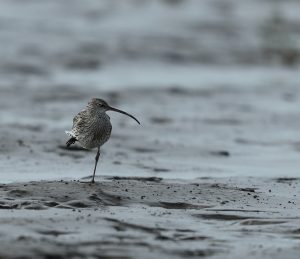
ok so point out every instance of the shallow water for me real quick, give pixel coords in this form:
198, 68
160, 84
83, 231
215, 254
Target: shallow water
213, 169
210, 102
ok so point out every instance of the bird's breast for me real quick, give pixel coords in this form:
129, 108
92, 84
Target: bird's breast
96, 131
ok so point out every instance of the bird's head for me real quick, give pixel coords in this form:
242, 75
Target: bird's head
102, 106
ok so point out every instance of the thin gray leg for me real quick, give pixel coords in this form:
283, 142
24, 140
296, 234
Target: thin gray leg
96, 162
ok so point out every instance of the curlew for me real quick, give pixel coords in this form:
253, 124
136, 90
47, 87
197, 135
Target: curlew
92, 127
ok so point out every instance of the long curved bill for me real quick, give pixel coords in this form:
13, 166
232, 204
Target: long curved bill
120, 111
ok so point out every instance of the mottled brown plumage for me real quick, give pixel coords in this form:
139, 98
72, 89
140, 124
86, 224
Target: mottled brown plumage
92, 127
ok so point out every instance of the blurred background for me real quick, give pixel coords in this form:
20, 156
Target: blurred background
214, 83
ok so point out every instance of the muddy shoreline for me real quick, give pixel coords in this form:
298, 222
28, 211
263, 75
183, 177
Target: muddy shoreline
150, 217
213, 169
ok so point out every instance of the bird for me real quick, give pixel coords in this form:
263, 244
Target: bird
92, 127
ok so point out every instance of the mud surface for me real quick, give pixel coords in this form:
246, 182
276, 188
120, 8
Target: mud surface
213, 169
145, 218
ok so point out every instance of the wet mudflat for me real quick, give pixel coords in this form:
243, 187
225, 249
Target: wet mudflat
213, 170
150, 217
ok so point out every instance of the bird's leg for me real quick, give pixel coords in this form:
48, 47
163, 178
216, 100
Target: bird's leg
96, 162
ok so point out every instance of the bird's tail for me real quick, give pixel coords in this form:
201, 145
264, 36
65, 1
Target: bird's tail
69, 133
72, 140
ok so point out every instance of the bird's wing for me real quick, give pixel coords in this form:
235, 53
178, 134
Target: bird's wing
79, 117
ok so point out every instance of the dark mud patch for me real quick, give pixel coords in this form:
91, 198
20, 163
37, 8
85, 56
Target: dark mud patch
55, 233
247, 189
183, 91
239, 210
79, 204
181, 205
224, 217
184, 230
161, 170
179, 237
254, 142
193, 238
161, 120
142, 179
82, 63
35, 206
255, 222
51, 204
197, 253
75, 156
295, 231
124, 225
220, 153
145, 150
286, 179
25, 69
6, 206
178, 90
73, 148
